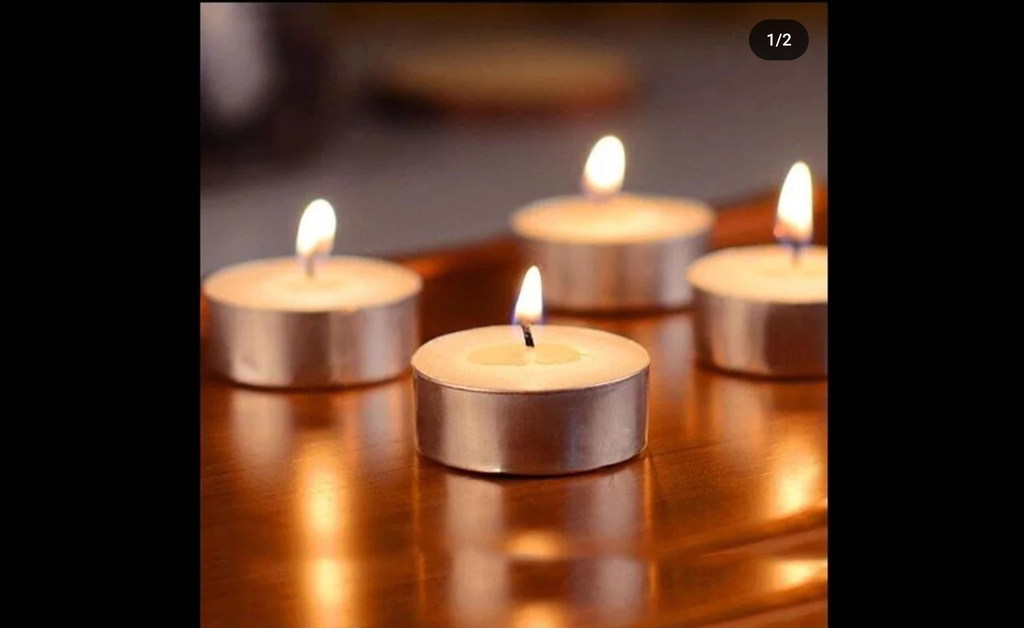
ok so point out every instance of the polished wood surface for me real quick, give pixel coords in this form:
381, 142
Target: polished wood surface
317, 511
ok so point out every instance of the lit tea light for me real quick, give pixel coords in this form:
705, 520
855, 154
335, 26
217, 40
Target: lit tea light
313, 320
763, 310
530, 399
607, 251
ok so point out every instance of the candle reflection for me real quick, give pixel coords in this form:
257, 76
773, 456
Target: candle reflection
342, 439
319, 480
536, 544
479, 586
508, 555
327, 587
330, 590
544, 614
797, 475
600, 510
474, 511
374, 424
261, 426
492, 589
786, 573
619, 583
770, 425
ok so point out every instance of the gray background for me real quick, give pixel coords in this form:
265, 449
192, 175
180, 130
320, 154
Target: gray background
711, 121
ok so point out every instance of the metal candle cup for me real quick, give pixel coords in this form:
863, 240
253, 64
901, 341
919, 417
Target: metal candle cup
757, 337
611, 273
488, 402
607, 252
531, 429
286, 345
313, 322
763, 310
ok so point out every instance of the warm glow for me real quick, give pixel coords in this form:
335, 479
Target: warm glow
540, 614
794, 217
793, 572
536, 544
796, 476
602, 176
261, 432
323, 494
329, 584
530, 305
316, 230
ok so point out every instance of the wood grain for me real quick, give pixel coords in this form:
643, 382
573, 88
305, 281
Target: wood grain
316, 510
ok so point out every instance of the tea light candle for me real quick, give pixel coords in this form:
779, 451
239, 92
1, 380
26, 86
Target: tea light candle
606, 251
317, 322
530, 399
763, 310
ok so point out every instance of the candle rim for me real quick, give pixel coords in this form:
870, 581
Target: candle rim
752, 296
529, 393
674, 204
557, 390
411, 274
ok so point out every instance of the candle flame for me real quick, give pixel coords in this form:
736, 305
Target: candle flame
606, 165
316, 231
530, 304
794, 216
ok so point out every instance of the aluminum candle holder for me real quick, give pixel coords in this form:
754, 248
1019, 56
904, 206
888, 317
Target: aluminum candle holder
518, 433
530, 399
606, 251
313, 321
769, 339
284, 349
610, 277
763, 310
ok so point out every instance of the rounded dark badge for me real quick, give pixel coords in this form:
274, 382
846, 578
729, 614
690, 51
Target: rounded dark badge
779, 40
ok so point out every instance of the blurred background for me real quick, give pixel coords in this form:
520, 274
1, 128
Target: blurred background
425, 125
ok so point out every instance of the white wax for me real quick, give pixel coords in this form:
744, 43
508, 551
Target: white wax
621, 218
764, 273
496, 359
340, 283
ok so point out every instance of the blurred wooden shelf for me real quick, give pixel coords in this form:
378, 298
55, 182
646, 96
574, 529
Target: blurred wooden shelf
316, 510
505, 75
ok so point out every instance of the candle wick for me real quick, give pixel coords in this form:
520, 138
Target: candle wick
527, 334
595, 196
308, 265
797, 249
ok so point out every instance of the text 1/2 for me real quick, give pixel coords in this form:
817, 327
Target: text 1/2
786, 40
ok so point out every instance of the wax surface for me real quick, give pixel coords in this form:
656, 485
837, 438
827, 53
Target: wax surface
621, 218
340, 283
489, 358
764, 273
516, 353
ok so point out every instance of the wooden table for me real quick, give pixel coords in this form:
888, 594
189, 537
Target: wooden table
317, 511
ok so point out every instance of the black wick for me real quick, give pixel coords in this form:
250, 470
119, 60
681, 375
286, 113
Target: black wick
527, 334
797, 249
